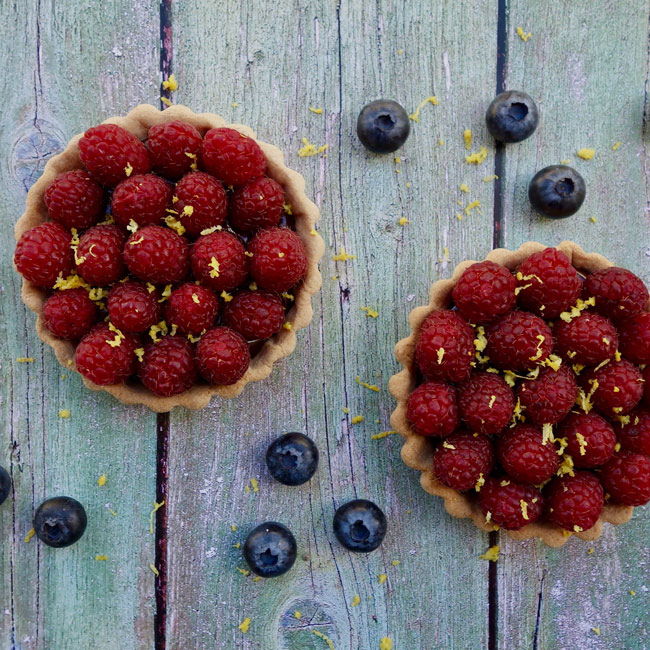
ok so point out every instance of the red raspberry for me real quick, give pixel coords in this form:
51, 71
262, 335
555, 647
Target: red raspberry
173, 148
219, 261
201, 202
168, 367
484, 292
445, 348
627, 478
462, 460
43, 253
142, 198
222, 356
74, 200
254, 314
509, 504
646, 385
549, 283
619, 387
279, 259
111, 153
431, 409
69, 314
590, 439
518, 341
485, 403
258, 204
550, 397
133, 308
99, 255
156, 254
634, 336
574, 502
588, 339
103, 363
232, 157
635, 436
619, 293
192, 308
525, 456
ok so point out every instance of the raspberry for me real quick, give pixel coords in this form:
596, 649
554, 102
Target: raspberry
588, 339
485, 403
231, 156
484, 292
168, 366
635, 435
616, 387
222, 356
142, 198
548, 283
646, 385
219, 261
74, 200
156, 254
462, 460
627, 478
133, 308
509, 504
69, 314
445, 348
619, 293
574, 502
590, 439
258, 204
173, 148
110, 153
431, 409
526, 456
254, 314
518, 341
43, 253
634, 336
192, 308
105, 356
201, 202
549, 398
99, 255
279, 259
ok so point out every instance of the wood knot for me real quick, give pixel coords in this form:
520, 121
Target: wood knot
35, 144
305, 624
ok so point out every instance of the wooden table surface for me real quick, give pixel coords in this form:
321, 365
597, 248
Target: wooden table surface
69, 65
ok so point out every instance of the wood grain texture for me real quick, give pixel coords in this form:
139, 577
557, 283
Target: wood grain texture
71, 67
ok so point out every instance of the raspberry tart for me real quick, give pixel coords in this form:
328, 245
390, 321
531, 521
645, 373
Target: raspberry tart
523, 395
138, 236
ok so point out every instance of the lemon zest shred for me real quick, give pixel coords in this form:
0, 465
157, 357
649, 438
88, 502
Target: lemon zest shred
209, 231
170, 83
464, 188
64, 414
355, 601
357, 419
474, 204
616, 146
214, 267
366, 385
101, 481
523, 35
128, 170
308, 149
477, 157
24, 359
226, 296
381, 578
101, 558
489, 179
343, 256
156, 507
415, 116
480, 482
174, 224
586, 154
467, 138
30, 533
325, 638
403, 221
318, 111
492, 554
385, 643
287, 326
382, 434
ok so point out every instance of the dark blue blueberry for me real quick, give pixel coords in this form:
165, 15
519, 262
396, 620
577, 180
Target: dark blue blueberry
383, 126
512, 116
60, 521
292, 458
5, 485
360, 525
270, 550
557, 191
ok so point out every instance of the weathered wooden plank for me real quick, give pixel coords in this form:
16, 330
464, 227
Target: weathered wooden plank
588, 72
315, 54
71, 66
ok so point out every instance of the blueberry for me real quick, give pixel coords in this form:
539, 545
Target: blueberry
360, 525
60, 521
557, 191
512, 116
270, 549
383, 126
292, 458
5, 485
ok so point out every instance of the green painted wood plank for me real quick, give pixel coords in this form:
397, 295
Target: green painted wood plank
587, 70
70, 66
312, 54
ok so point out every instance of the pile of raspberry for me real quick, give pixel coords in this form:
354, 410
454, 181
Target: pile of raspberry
535, 389
165, 259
